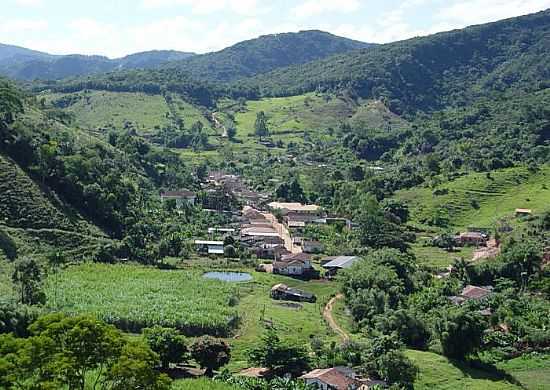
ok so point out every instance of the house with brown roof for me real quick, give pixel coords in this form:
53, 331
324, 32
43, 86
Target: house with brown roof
471, 238
470, 292
335, 378
181, 197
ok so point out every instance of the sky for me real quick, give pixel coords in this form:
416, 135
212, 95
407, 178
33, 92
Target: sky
115, 28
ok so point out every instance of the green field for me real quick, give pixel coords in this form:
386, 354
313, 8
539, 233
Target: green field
94, 110
439, 258
135, 297
291, 116
478, 199
532, 371
201, 384
438, 372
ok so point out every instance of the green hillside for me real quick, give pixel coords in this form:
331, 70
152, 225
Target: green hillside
266, 53
438, 372
481, 199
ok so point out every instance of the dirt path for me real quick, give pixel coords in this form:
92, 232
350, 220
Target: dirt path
219, 125
327, 315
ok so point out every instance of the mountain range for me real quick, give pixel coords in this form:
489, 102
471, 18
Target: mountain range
25, 64
244, 59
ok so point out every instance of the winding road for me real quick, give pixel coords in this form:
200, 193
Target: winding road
327, 315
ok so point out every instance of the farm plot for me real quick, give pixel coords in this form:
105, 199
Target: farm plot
135, 297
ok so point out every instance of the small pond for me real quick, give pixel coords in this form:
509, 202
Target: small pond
229, 276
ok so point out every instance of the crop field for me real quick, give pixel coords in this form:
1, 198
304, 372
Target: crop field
479, 199
135, 297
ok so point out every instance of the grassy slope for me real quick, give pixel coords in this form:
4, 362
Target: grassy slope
297, 324
437, 372
294, 114
497, 196
37, 220
201, 384
101, 109
533, 372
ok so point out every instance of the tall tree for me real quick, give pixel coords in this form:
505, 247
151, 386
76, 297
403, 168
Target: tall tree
260, 126
167, 343
282, 357
28, 276
210, 353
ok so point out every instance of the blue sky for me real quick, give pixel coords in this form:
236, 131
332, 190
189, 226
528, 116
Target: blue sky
118, 27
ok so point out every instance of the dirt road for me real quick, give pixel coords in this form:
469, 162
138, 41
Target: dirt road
327, 315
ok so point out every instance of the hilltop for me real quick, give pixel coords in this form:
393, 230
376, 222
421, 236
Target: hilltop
25, 64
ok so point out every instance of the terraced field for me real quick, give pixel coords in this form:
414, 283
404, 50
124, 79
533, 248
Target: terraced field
481, 199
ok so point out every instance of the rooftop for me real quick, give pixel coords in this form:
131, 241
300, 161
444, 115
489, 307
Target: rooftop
340, 261
475, 292
333, 377
177, 194
208, 242
298, 207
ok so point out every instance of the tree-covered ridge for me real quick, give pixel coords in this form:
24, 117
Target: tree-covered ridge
24, 64
451, 68
266, 53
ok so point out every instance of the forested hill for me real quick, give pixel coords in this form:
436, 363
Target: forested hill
25, 64
266, 53
451, 68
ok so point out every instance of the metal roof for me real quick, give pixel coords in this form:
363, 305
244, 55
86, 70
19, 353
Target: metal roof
207, 242
341, 262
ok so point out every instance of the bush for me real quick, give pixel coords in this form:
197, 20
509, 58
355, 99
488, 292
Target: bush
7, 245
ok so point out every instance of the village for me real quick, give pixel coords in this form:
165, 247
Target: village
273, 233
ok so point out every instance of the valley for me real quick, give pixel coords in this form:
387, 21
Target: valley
388, 207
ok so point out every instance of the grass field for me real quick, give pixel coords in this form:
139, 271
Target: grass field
293, 115
480, 200
257, 309
438, 372
201, 384
439, 258
102, 109
532, 371
134, 297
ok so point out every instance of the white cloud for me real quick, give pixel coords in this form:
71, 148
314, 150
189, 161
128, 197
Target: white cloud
23, 26
470, 12
204, 7
316, 7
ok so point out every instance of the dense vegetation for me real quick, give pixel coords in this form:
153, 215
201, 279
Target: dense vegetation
266, 53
